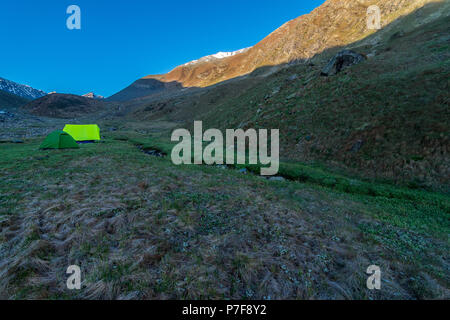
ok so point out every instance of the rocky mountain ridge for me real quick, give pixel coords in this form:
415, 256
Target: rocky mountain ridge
20, 90
337, 23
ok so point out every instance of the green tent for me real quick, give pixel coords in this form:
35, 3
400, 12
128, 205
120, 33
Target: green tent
59, 140
85, 132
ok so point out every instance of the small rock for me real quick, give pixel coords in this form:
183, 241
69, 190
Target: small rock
397, 35
343, 59
277, 179
291, 96
41, 157
357, 146
155, 153
275, 90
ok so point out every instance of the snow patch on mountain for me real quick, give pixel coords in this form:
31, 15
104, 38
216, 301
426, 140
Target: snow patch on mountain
92, 95
219, 55
20, 90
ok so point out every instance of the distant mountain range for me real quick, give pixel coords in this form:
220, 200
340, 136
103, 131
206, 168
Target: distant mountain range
20, 90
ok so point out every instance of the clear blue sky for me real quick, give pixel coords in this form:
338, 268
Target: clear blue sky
121, 41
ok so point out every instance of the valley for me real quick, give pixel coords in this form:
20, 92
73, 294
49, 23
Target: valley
363, 177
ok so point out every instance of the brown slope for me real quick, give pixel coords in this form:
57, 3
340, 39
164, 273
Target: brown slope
63, 106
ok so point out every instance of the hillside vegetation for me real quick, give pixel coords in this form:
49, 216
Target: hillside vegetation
8, 100
385, 118
59, 105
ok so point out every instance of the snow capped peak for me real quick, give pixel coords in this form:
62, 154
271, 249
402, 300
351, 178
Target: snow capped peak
219, 55
92, 95
20, 90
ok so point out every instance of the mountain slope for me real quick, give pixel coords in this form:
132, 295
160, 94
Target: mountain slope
335, 23
144, 87
20, 90
384, 118
9, 100
63, 106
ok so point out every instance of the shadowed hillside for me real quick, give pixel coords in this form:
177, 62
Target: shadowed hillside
9, 100
385, 117
145, 87
63, 106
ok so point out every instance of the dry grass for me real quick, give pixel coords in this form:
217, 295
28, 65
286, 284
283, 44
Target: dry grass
141, 228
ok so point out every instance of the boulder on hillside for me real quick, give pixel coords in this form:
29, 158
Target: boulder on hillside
343, 59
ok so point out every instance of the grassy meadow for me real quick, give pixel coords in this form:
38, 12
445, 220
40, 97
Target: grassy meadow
141, 227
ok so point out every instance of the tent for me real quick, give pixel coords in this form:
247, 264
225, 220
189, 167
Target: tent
59, 140
85, 132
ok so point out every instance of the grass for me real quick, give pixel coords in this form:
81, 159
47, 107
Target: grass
141, 227
420, 204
